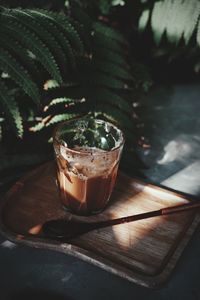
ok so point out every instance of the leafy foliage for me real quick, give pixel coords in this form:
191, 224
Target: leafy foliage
31, 39
9, 106
62, 66
103, 84
177, 19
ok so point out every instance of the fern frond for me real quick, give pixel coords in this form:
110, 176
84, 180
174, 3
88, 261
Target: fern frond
50, 84
101, 40
64, 24
18, 74
70, 54
78, 14
73, 92
28, 20
177, 18
38, 127
109, 32
16, 50
52, 120
113, 70
98, 78
60, 37
62, 100
10, 107
85, 34
114, 115
30, 41
61, 118
73, 35
103, 95
108, 55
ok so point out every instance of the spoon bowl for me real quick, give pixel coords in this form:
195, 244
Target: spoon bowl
62, 229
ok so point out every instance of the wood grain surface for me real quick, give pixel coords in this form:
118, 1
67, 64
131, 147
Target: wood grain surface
144, 252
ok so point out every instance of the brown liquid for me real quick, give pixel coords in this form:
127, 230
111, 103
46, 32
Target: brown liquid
85, 187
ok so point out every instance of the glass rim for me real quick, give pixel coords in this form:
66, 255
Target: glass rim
60, 125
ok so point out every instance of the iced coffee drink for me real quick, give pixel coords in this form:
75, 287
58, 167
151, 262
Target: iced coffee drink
87, 158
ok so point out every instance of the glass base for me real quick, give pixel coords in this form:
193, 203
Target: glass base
91, 213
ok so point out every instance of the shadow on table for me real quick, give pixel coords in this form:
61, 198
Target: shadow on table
32, 294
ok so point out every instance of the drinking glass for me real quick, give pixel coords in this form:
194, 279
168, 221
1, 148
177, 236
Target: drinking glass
87, 153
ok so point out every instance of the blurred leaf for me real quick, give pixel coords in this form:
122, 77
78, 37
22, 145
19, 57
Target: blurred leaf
144, 18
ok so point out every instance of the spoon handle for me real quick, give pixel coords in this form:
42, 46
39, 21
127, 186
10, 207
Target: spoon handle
161, 212
63, 230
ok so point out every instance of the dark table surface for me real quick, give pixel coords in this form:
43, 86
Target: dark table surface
172, 123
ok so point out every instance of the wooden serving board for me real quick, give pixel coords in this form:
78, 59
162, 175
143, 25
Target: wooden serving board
144, 252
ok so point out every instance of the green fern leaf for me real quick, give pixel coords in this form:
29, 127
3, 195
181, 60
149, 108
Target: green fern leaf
85, 35
73, 35
28, 20
62, 100
70, 54
39, 126
64, 24
109, 32
108, 55
79, 14
19, 75
114, 115
103, 95
16, 50
101, 40
59, 36
113, 70
30, 41
11, 109
52, 120
98, 78
61, 118
73, 91
50, 84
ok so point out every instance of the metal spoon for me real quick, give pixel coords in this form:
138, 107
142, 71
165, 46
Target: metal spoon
63, 230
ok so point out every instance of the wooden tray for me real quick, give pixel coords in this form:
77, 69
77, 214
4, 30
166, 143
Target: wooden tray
144, 252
